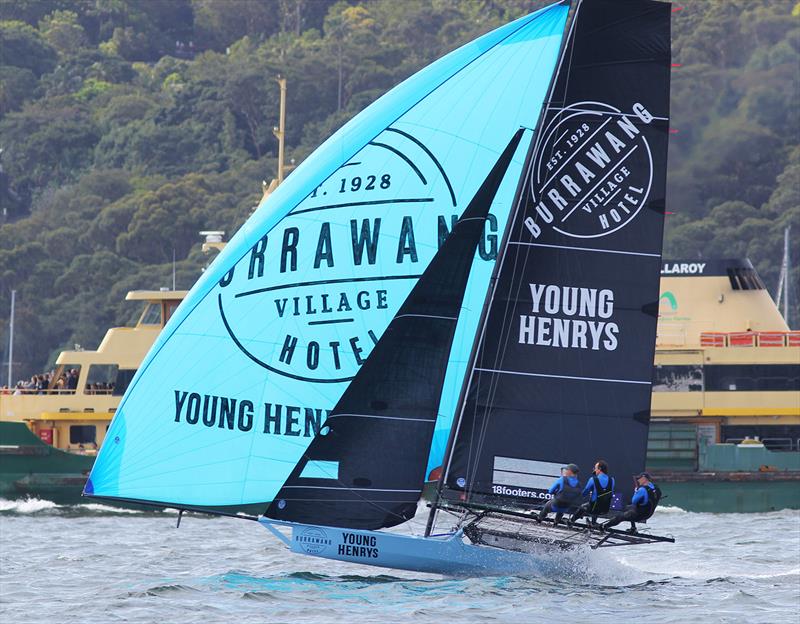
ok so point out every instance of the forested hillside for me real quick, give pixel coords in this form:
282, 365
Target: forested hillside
127, 126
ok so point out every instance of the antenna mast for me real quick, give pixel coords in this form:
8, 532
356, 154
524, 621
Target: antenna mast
11, 338
783, 280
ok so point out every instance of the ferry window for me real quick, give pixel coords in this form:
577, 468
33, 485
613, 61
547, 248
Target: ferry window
171, 307
82, 434
123, 380
151, 315
745, 279
678, 379
101, 379
64, 381
753, 377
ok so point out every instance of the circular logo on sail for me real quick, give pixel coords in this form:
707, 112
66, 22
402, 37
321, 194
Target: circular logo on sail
313, 540
312, 297
592, 172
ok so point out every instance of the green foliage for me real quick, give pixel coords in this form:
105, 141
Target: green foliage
23, 46
128, 126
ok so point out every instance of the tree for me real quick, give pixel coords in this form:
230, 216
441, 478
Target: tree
22, 46
62, 31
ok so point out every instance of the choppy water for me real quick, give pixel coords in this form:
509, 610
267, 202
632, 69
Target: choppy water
96, 564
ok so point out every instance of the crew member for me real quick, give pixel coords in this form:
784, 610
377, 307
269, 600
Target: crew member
566, 493
643, 504
600, 489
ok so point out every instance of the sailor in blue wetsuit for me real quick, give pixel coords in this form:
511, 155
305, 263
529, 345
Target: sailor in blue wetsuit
600, 489
566, 493
643, 504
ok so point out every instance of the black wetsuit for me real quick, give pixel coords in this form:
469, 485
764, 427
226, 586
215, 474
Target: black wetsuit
640, 510
600, 502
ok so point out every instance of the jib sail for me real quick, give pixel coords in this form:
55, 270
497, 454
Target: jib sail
236, 386
366, 468
562, 369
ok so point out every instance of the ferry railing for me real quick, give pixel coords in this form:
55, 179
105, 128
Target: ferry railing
750, 339
778, 444
55, 391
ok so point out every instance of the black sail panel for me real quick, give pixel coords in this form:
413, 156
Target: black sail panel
563, 366
366, 468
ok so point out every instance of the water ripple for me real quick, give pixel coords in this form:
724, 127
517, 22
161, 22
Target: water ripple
102, 564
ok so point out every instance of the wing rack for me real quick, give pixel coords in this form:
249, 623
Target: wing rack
512, 529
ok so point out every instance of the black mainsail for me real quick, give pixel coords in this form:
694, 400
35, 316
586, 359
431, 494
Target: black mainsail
562, 366
366, 468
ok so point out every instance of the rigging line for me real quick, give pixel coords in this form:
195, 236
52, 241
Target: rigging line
514, 32
494, 381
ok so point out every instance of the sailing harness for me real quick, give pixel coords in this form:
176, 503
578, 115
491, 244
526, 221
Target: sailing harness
602, 503
569, 496
653, 498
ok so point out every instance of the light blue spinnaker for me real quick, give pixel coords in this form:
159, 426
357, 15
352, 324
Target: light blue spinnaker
264, 344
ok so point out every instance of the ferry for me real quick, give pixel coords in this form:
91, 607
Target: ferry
49, 436
725, 419
725, 411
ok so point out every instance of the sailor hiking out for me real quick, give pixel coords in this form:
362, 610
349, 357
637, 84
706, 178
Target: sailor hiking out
643, 503
600, 489
566, 491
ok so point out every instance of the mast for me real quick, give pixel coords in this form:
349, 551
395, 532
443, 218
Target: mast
11, 338
495, 271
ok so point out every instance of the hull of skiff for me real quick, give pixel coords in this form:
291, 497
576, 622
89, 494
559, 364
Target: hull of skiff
448, 555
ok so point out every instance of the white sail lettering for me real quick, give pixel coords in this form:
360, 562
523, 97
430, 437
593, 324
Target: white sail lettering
614, 142
642, 113
579, 334
526, 328
605, 303
598, 155
586, 174
552, 299
612, 329
570, 185
628, 127
588, 300
560, 332
536, 293
596, 330
558, 200
570, 304
532, 226
543, 335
